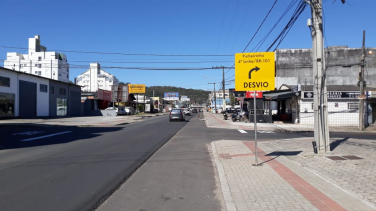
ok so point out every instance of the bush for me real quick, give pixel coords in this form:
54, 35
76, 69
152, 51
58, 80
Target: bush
141, 108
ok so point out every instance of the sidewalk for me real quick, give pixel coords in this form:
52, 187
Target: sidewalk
86, 121
217, 121
290, 176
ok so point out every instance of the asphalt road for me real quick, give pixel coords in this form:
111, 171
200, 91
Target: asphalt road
76, 169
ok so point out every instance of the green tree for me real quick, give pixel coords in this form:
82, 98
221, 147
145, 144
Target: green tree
232, 100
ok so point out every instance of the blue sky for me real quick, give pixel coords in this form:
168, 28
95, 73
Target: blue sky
171, 27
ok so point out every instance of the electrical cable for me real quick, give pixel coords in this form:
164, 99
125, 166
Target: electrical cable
261, 42
298, 11
128, 54
262, 23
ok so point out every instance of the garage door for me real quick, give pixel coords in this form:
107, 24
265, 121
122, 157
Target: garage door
28, 99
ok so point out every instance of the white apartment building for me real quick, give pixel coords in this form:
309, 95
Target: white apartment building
95, 78
39, 62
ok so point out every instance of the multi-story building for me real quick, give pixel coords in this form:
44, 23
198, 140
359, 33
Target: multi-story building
95, 78
39, 62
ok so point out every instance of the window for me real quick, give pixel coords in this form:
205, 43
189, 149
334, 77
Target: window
6, 104
52, 90
61, 107
39, 58
38, 72
25, 65
352, 106
38, 65
43, 88
61, 91
4, 81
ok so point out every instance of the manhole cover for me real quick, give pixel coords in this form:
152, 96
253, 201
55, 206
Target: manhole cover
352, 157
336, 158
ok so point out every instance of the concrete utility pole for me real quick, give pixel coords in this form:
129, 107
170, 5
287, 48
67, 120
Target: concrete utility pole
361, 84
320, 108
223, 86
224, 92
215, 99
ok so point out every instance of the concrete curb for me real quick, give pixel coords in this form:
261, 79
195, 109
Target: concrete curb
230, 205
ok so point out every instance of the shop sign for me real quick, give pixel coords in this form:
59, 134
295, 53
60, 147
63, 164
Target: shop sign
334, 95
136, 88
250, 94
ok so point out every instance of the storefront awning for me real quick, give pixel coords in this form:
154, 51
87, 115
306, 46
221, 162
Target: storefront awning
280, 95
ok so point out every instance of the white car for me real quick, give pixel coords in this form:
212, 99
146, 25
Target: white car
187, 111
118, 112
129, 110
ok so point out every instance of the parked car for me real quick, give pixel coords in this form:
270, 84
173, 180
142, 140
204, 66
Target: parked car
187, 111
119, 111
194, 110
129, 110
176, 114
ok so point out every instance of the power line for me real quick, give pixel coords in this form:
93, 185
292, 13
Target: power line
128, 54
262, 23
298, 11
261, 42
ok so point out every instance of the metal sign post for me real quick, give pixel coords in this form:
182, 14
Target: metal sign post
255, 72
254, 119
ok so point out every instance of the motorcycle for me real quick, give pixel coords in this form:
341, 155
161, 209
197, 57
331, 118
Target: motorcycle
237, 116
225, 116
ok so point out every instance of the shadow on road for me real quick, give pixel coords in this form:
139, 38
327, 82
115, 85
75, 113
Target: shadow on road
335, 144
18, 136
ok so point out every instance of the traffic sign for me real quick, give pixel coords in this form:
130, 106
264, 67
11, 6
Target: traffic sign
255, 71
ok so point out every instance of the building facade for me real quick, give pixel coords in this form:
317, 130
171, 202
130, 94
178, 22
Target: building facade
95, 78
28, 96
294, 69
38, 61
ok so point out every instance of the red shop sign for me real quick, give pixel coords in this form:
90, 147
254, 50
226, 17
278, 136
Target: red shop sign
249, 94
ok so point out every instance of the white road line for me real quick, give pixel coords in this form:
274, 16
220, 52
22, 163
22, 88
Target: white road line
55, 134
242, 131
264, 131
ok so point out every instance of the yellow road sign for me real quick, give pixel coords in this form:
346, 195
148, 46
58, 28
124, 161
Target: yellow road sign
254, 71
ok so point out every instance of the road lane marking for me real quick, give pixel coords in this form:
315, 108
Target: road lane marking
264, 131
55, 134
29, 133
242, 131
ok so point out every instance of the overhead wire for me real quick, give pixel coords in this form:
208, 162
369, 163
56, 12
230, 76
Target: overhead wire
129, 54
298, 11
262, 23
261, 42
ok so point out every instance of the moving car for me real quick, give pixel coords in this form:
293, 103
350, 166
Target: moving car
176, 114
187, 111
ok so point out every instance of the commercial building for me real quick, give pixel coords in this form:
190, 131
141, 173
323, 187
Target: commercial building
28, 96
38, 61
95, 78
292, 101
